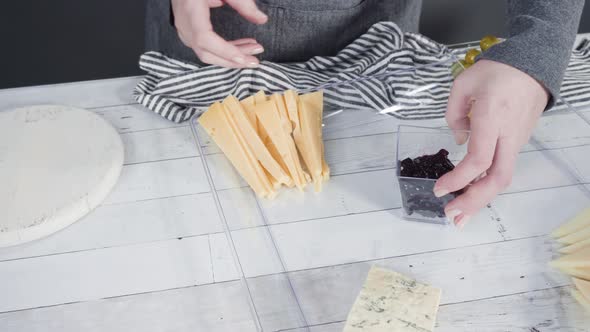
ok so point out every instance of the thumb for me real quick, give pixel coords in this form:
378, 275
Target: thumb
458, 109
249, 10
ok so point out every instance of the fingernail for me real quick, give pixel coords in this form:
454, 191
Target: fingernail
459, 225
479, 177
451, 214
440, 192
461, 221
253, 64
239, 60
461, 138
257, 50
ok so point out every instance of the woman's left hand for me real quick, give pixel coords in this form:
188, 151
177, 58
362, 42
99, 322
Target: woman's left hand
503, 104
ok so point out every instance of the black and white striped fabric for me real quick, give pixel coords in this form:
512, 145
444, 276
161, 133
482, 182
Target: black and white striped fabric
406, 75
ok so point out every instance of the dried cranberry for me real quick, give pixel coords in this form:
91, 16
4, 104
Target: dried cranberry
427, 166
417, 194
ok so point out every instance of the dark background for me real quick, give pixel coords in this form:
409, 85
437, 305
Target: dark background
55, 41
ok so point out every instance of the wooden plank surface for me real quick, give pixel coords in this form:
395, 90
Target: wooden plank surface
216, 308
134, 117
465, 274
159, 179
126, 256
159, 144
528, 312
125, 224
89, 94
108, 272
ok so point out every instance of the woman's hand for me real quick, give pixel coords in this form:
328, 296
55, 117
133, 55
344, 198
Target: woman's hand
193, 23
503, 104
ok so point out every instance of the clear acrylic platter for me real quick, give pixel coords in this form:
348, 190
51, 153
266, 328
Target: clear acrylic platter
302, 258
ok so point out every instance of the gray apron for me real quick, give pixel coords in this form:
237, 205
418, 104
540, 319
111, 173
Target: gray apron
296, 30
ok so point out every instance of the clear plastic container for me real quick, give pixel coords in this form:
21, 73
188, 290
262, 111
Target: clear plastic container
418, 200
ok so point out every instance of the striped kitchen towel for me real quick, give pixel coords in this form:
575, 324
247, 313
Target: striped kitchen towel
406, 75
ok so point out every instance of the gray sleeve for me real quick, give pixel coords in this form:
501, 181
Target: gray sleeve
541, 36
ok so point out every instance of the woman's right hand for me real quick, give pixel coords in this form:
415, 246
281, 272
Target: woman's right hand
193, 23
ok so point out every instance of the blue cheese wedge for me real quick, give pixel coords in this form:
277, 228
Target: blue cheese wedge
391, 302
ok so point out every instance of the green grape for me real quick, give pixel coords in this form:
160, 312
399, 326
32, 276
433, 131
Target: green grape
488, 41
470, 56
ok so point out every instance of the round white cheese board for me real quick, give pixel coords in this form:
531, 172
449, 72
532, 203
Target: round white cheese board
57, 163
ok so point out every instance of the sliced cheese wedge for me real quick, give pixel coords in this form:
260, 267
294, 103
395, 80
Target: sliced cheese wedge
581, 273
268, 116
291, 99
575, 247
583, 287
261, 98
301, 178
291, 102
325, 167
579, 235
582, 220
255, 143
272, 148
288, 125
309, 138
584, 302
283, 114
580, 259
260, 171
216, 124
319, 104
248, 105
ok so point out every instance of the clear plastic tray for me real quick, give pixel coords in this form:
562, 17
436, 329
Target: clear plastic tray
378, 122
288, 277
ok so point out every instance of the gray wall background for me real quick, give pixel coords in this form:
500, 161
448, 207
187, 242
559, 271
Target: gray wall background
44, 42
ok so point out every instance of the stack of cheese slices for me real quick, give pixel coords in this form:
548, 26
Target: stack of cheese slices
271, 140
575, 236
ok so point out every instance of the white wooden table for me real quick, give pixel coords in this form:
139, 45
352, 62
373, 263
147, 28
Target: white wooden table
154, 256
